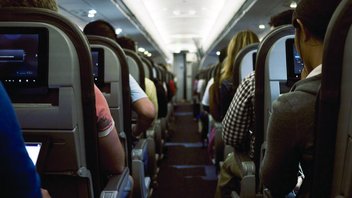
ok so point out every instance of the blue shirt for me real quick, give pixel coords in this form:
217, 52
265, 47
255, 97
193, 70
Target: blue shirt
18, 177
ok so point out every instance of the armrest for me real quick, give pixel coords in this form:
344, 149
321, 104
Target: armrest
116, 185
234, 194
247, 164
219, 144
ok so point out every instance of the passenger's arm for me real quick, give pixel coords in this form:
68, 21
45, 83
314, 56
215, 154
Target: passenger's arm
111, 152
281, 161
142, 106
239, 116
146, 114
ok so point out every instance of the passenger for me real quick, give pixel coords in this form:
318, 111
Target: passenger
291, 126
18, 177
150, 89
112, 153
140, 102
239, 119
239, 41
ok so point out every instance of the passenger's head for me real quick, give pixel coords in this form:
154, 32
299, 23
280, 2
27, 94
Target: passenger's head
48, 4
100, 28
311, 19
283, 18
126, 43
239, 41
314, 16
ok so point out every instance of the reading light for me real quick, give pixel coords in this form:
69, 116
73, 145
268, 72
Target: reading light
141, 49
149, 54
118, 30
261, 26
218, 53
293, 5
90, 15
146, 52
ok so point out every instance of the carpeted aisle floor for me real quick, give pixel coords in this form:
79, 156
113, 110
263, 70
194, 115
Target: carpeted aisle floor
187, 170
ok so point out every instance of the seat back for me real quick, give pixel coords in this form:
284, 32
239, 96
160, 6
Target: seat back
332, 171
58, 107
147, 68
244, 64
135, 66
116, 87
270, 71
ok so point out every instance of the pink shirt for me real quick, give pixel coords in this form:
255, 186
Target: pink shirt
105, 122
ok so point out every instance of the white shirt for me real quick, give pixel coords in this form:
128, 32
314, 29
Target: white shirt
316, 71
136, 91
205, 99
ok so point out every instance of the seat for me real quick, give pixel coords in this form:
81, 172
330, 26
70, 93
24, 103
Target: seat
116, 82
135, 66
111, 80
244, 64
55, 104
271, 75
332, 170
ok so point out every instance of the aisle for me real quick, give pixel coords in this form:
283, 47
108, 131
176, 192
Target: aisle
187, 171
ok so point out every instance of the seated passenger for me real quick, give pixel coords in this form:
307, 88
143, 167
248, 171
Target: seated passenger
140, 102
239, 119
112, 153
238, 41
291, 126
18, 177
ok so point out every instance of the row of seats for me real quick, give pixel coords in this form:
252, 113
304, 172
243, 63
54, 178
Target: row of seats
276, 70
55, 104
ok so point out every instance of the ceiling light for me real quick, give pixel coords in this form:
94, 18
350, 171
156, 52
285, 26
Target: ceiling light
261, 26
218, 53
92, 11
176, 12
293, 5
149, 55
118, 30
192, 12
146, 52
91, 15
141, 49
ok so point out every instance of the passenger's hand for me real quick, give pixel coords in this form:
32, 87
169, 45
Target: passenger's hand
45, 193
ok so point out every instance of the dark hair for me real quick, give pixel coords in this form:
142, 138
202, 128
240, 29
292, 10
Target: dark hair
223, 54
126, 43
100, 28
48, 4
283, 18
315, 15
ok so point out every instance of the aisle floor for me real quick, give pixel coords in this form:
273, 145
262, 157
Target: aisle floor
187, 170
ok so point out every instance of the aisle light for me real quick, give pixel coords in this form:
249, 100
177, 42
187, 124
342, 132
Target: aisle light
218, 53
261, 26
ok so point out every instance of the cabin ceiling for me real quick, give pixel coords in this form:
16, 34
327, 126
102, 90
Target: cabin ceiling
166, 27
